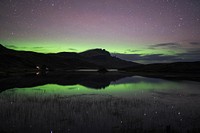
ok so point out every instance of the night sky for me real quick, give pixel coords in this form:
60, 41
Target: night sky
144, 31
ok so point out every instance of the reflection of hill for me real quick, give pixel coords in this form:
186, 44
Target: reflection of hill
89, 79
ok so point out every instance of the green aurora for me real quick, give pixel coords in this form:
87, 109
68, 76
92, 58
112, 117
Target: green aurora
72, 46
157, 29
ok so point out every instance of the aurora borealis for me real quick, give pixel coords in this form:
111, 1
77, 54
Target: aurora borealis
136, 30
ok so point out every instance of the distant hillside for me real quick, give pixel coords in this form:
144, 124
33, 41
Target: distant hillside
96, 58
176, 67
176, 71
95, 52
103, 58
12, 61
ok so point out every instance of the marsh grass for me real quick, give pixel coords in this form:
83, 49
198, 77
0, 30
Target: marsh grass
91, 113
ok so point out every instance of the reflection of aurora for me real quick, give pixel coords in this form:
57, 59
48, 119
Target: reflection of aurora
123, 87
89, 79
128, 103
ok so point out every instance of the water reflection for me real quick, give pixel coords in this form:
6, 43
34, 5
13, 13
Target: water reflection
126, 87
92, 80
71, 103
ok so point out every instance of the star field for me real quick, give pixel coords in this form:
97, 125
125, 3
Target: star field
131, 27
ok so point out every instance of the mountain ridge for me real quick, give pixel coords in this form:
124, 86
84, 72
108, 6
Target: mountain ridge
22, 62
94, 58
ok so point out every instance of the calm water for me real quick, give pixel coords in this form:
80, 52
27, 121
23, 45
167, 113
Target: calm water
128, 104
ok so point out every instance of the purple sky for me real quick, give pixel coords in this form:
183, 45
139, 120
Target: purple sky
134, 27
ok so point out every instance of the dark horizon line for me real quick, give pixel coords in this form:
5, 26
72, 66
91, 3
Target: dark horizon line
114, 54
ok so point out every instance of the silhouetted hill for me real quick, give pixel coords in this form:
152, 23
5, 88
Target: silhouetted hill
2, 48
95, 52
177, 70
176, 67
103, 58
16, 61
13, 60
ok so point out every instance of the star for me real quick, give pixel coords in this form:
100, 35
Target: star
115, 24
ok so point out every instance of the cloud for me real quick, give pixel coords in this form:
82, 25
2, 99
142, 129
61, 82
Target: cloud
195, 43
21, 47
132, 50
192, 55
72, 49
168, 45
147, 58
188, 56
38, 47
11, 46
